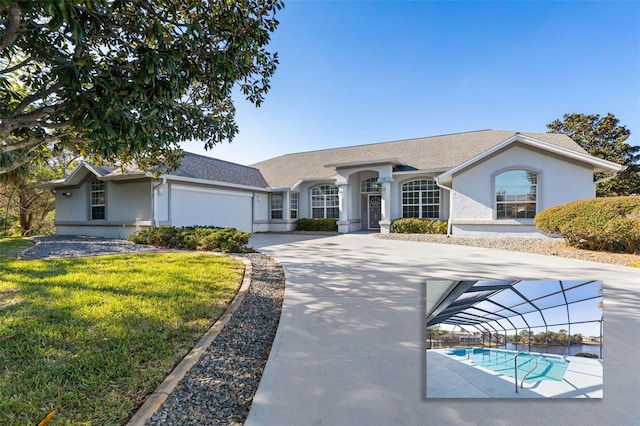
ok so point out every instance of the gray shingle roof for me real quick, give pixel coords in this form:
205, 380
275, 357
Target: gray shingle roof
435, 153
192, 166
201, 167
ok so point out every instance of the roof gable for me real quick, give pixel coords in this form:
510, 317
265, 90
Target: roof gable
435, 153
192, 167
598, 164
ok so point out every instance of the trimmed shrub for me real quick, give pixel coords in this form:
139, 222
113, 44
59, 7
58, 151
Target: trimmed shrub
163, 237
412, 225
204, 238
604, 224
329, 225
586, 355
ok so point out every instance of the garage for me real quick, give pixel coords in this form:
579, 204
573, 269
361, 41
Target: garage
210, 207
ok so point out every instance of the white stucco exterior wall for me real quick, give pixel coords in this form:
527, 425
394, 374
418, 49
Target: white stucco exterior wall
261, 212
559, 181
73, 207
161, 203
128, 207
128, 202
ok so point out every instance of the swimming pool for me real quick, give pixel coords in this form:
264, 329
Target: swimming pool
550, 367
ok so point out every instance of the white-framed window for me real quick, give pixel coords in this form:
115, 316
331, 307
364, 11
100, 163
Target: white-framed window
371, 185
325, 202
293, 205
275, 204
516, 194
421, 198
98, 199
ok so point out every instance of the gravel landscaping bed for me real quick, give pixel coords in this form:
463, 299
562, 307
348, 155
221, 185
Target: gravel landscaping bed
78, 246
218, 390
545, 246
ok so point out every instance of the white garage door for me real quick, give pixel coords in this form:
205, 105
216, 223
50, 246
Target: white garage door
202, 206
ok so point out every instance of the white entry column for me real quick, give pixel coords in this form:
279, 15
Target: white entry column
385, 221
343, 204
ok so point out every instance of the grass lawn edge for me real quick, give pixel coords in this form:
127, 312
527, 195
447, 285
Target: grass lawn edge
154, 401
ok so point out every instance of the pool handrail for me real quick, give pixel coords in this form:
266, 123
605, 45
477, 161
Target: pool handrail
515, 366
530, 371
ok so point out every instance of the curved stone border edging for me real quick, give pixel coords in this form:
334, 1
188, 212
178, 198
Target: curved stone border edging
157, 398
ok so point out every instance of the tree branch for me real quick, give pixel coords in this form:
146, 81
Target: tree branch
13, 26
31, 118
18, 162
35, 97
16, 67
20, 144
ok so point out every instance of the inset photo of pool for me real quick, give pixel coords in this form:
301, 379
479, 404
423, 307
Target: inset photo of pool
514, 339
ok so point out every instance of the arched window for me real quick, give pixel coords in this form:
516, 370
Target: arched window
516, 194
324, 202
370, 185
421, 198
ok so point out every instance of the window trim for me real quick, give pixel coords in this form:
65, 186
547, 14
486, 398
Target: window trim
294, 199
420, 204
273, 196
494, 195
376, 185
324, 196
104, 195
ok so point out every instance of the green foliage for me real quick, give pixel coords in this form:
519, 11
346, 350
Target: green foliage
604, 138
24, 208
587, 355
91, 337
605, 224
129, 80
205, 238
327, 225
412, 225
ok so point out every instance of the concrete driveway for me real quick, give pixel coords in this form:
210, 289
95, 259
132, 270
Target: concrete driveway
350, 344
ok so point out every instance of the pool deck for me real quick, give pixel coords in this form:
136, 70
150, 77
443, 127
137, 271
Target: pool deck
451, 376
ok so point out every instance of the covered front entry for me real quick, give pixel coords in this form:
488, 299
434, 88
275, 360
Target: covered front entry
365, 196
374, 211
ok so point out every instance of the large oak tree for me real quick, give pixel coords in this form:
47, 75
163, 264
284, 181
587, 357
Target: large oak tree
605, 138
128, 80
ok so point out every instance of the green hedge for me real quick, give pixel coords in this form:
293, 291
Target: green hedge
205, 238
316, 225
413, 225
586, 355
605, 224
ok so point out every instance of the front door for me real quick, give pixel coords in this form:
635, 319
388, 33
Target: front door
375, 211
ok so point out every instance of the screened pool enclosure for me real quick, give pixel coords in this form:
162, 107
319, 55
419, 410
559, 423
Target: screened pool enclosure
556, 316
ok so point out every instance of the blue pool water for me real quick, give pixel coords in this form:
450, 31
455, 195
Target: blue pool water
501, 361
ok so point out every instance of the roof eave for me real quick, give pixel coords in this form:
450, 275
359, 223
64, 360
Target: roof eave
599, 164
212, 182
305, 180
393, 161
73, 179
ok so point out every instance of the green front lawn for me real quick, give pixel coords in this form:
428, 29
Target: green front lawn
89, 338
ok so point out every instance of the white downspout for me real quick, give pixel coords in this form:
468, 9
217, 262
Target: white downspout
153, 201
440, 185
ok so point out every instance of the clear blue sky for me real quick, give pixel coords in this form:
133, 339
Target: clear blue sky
356, 72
